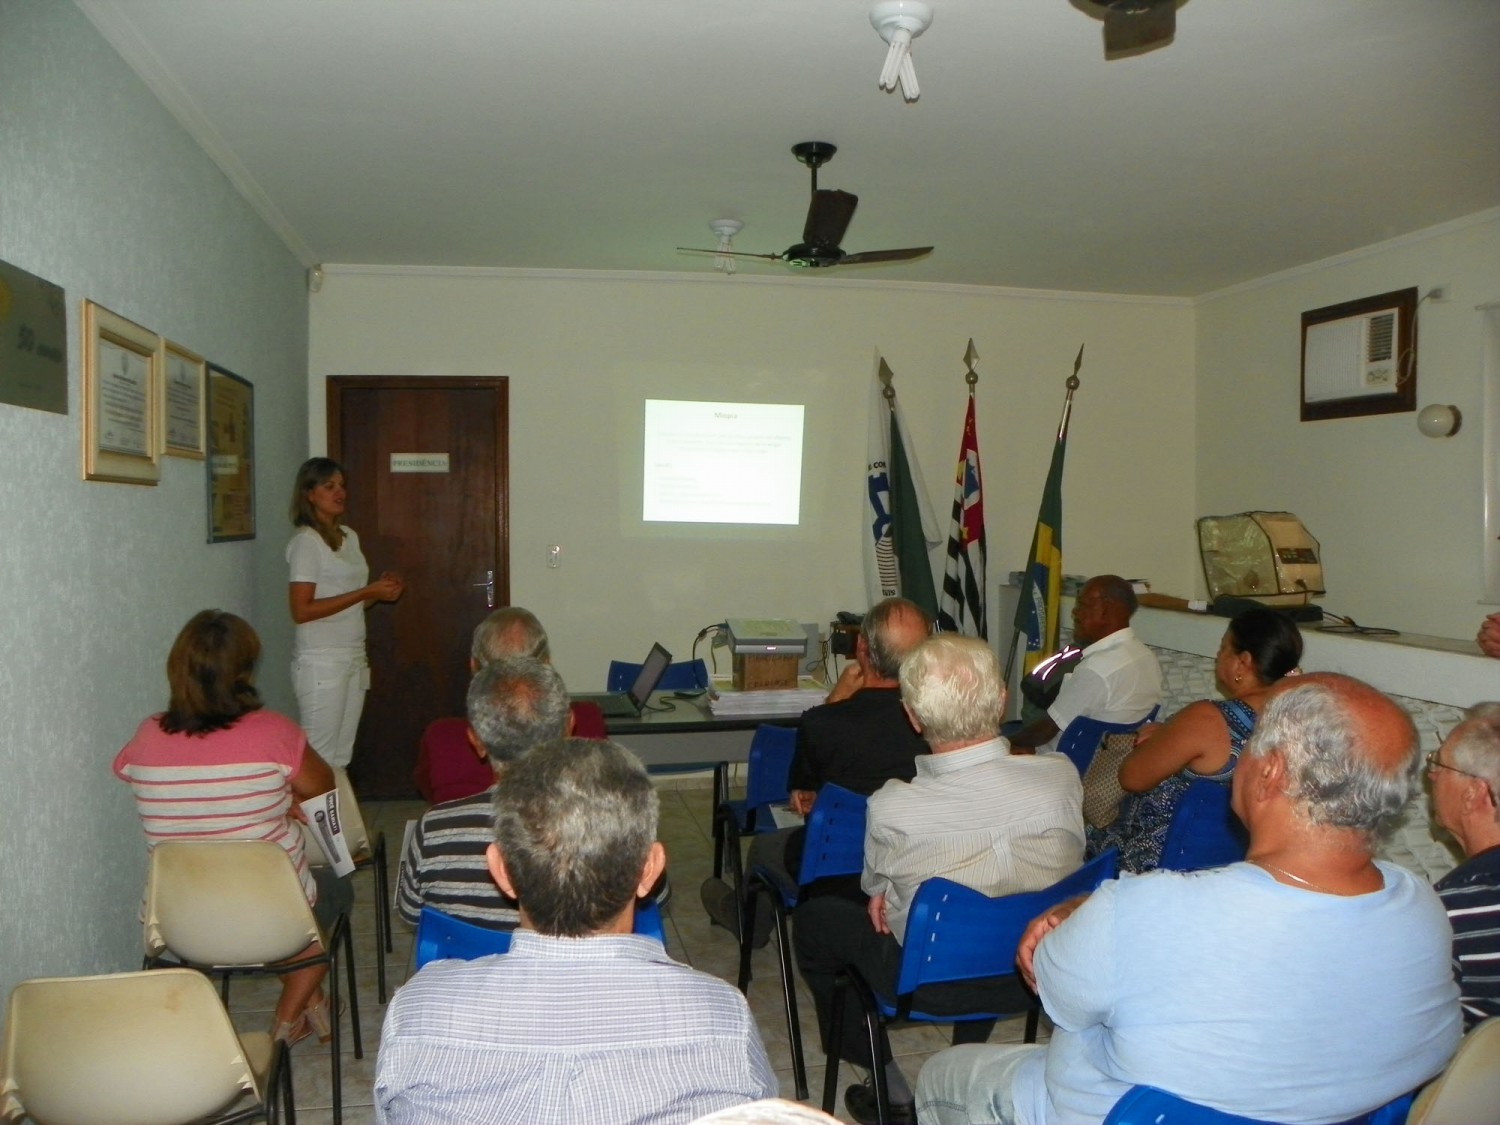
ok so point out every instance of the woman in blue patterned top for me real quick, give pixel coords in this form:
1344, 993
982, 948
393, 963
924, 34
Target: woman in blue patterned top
1202, 741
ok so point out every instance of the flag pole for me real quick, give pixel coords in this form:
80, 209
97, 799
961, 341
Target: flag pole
1072, 385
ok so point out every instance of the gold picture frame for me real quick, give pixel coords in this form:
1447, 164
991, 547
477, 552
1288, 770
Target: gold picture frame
121, 368
231, 456
183, 409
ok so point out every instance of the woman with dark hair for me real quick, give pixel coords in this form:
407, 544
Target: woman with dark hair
1202, 741
329, 590
214, 765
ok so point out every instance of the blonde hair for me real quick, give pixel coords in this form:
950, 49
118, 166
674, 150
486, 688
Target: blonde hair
315, 471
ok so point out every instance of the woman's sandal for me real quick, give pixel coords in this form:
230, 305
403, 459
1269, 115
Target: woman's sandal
318, 1019
293, 1031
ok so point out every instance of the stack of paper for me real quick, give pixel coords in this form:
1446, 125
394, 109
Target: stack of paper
787, 701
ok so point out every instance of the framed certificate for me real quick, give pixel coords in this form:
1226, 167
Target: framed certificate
121, 366
231, 456
183, 406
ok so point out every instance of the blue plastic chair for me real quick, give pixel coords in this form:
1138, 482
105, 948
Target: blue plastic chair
681, 675
1146, 1105
1083, 737
953, 933
770, 764
835, 845
1204, 831
442, 937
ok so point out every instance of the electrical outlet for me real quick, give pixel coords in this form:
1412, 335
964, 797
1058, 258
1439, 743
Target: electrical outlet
1438, 293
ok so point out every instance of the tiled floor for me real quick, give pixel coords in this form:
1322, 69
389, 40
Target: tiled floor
685, 826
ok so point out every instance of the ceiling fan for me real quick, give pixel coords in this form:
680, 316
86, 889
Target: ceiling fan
828, 218
1133, 27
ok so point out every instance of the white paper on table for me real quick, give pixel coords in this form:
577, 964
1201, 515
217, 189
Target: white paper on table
784, 817
324, 825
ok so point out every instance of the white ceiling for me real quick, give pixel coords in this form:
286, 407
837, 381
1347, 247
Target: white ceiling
601, 134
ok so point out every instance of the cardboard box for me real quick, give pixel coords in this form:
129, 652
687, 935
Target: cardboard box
765, 673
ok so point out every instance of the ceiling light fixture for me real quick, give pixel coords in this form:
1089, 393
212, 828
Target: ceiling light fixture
899, 22
725, 230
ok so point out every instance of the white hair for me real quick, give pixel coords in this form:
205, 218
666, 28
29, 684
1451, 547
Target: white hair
952, 685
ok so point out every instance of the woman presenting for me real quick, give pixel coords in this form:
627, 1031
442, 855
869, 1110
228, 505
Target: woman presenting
330, 589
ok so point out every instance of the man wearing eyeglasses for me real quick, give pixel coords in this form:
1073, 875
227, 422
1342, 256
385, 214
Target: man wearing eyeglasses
1465, 774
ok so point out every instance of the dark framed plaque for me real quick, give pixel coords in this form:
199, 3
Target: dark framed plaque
231, 456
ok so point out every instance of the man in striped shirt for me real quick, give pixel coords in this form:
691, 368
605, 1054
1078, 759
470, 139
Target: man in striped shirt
1465, 781
583, 1020
513, 705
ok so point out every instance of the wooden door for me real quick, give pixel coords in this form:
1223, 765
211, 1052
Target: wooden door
426, 464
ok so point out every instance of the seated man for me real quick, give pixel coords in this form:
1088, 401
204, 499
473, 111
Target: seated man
513, 705
1310, 983
974, 814
582, 1021
450, 764
859, 739
1117, 681
1465, 780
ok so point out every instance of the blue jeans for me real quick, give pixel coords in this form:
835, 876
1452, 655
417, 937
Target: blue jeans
971, 1083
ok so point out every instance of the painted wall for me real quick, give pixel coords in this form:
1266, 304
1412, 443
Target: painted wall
1399, 515
102, 193
582, 352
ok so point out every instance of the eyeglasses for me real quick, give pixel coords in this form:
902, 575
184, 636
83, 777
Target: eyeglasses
1433, 763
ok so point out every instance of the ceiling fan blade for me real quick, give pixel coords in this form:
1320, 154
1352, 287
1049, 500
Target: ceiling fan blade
828, 218
1133, 27
731, 253
884, 255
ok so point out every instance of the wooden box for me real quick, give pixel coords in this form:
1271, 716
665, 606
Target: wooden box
765, 673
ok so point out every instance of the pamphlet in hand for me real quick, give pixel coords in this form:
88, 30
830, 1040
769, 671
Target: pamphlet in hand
325, 827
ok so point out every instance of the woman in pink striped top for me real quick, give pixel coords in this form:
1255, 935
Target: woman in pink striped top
214, 765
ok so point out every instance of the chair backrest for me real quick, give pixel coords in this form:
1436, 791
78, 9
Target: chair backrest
1204, 831
1080, 741
442, 937
351, 819
681, 675
1469, 1089
1146, 1105
226, 902
835, 843
954, 932
771, 753
148, 1048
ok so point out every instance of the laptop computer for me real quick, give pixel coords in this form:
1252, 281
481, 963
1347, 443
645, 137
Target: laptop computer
629, 704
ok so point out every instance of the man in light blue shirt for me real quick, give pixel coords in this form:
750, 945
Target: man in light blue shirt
582, 1020
1309, 984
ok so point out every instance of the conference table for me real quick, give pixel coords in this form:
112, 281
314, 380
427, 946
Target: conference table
677, 731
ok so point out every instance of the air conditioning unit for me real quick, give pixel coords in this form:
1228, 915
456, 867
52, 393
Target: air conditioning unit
1359, 350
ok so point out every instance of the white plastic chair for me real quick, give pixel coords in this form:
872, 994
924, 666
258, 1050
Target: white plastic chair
1468, 1091
147, 1048
227, 907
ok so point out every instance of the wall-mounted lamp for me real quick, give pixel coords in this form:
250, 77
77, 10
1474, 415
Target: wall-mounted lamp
1439, 421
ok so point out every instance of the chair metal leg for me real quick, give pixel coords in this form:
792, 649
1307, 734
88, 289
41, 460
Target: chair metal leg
835, 1043
844, 981
359, 1047
1033, 1016
789, 1000
747, 908
288, 1101
382, 915
334, 1046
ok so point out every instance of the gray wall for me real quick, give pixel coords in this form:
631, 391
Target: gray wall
104, 194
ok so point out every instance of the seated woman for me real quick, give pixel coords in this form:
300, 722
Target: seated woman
1203, 740
249, 768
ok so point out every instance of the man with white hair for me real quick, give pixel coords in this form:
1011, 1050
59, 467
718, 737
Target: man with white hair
1465, 774
1308, 984
974, 813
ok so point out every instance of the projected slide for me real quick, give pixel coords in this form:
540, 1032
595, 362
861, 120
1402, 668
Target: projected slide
722, 462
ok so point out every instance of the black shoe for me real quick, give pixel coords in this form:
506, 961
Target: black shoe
859, 1100
721, 908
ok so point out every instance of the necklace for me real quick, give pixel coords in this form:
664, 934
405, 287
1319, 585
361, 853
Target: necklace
1271, 867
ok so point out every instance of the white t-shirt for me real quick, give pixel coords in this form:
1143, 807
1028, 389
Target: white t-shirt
332, 573
1117, 681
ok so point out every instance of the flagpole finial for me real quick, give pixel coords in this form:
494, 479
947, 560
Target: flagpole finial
1077, 363
970, 355
886, 376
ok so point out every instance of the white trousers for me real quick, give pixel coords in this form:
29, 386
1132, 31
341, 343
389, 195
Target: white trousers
330, 687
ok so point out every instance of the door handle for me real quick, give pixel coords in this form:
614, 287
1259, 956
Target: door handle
488, 586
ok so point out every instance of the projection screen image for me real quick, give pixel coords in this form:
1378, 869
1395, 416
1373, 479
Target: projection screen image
722, 462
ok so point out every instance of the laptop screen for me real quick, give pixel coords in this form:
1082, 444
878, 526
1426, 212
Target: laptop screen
652, 670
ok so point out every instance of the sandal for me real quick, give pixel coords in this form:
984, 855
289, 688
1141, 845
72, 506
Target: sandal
318, 1019
292, 1032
